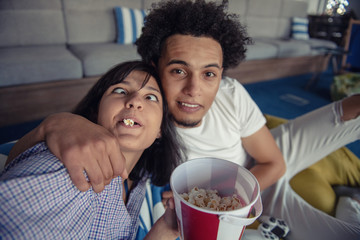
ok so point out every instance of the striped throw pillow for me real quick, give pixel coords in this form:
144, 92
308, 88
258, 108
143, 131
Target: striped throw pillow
299, 28
129, 23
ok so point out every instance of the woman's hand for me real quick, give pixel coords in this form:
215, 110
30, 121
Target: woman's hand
166, 227
166, 195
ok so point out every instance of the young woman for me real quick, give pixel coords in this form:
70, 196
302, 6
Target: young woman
38, 200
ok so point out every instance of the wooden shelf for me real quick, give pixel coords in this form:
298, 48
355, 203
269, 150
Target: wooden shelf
331, 28
35, 101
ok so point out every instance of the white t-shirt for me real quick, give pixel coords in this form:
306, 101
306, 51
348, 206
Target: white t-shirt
233, 115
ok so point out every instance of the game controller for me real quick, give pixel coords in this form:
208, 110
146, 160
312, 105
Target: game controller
270, 228
273, 228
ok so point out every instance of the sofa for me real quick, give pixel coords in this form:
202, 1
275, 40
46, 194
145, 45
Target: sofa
52, 51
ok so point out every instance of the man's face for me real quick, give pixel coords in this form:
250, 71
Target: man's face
190, 69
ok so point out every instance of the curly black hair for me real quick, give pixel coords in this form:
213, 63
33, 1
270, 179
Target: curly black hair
195, 18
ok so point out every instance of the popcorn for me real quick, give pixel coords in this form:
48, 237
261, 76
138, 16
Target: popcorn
210, 199
128, 122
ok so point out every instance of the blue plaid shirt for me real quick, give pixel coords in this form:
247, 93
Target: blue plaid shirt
39, 201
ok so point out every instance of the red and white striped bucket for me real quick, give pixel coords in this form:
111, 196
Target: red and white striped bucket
228, 178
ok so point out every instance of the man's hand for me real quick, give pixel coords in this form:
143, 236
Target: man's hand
82, 146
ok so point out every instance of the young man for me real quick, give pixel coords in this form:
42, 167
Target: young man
192, 43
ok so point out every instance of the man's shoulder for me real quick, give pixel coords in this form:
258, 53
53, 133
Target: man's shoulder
229, 82
231, 90
231, 85
229, 98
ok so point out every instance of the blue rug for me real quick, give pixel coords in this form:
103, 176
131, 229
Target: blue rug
288, 97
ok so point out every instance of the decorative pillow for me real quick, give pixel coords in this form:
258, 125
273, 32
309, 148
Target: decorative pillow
314, 184
152, 208
129, 24
299, 28
345, 85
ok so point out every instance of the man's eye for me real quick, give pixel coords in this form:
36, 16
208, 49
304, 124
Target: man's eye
210, 74
120, 91
178, 71
152, 97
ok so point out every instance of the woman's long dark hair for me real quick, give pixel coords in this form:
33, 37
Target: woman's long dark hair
160, 159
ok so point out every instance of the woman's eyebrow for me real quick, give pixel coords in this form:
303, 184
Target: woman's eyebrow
152, 88
125, 82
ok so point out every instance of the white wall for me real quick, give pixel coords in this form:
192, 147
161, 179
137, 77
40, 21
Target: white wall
316, 6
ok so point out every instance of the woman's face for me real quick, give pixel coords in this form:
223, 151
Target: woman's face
140, 108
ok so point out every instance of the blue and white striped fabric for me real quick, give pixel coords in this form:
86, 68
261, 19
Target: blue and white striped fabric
129, 24
299, 28
152, 208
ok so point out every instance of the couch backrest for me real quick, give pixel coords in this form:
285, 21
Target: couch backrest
147, 3
92, 21
31, 22
291, 9
39, 22
268, 18
264, 18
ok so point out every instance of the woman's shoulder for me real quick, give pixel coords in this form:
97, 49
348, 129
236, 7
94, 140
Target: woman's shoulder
34, 161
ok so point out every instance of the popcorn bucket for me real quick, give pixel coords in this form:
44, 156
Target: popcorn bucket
227, 178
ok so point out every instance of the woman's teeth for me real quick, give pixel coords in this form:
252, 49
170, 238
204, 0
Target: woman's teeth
128, 122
